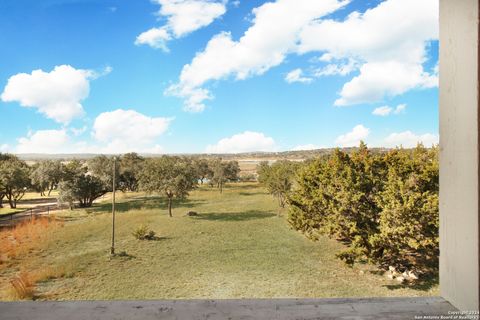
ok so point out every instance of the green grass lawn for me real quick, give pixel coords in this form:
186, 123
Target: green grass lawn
238, 247
6, 210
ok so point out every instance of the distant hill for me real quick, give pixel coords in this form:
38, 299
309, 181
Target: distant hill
290, 155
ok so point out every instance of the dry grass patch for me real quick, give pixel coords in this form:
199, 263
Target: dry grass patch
17, 242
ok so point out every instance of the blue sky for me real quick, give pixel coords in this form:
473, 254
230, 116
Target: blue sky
190, 76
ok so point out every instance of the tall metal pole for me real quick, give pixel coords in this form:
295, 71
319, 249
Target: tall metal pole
112, 249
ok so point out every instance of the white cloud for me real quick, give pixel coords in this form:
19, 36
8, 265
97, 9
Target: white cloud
183, 17
382, 111
386, 110
390, 40
123, 131
44, 141
400, 108
194, 97
78, 131
353, 138
296, 76
337, 69
272, 36
378, 80
408, 139
306, 147
247, 141
155, 38
4, 147
56, 94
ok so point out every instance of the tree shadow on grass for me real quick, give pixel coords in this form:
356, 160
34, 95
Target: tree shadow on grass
235, 216
254, 193
143, 203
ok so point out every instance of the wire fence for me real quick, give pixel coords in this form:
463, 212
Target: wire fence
11, 219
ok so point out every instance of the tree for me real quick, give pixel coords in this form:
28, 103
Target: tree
81, 185
173, 177
384, 207
278, 178
223, 172
46, 175
409, 222
218, 177
232, 170
130, 166
3, 191
101, 167
83, 188
202, 169
14, 178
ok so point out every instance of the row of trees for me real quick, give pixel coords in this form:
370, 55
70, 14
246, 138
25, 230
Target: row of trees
83, 182
383, 206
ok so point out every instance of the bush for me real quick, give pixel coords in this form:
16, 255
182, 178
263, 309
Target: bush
383, 206
142, 233
248, 177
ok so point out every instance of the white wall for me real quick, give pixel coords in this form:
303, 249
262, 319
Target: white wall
459, 211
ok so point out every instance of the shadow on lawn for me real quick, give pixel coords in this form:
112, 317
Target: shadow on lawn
235, 216
143, 203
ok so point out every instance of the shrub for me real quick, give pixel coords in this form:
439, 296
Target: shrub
248, 177
383, 206
142, 233
409, 223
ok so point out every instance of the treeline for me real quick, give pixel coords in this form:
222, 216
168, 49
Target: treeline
383, 206
82, 182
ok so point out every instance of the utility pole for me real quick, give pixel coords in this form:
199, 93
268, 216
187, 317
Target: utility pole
112, 248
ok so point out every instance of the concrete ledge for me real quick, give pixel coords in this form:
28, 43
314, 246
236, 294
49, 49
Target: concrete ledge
321, 309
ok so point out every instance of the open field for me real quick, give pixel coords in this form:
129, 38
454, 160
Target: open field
237, 247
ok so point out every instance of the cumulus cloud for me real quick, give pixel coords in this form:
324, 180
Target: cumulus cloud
247, 141
389, 40
155, 38
379, 80
400, 108
341, 69
273, 35
382, 111
353, 138
386, 110
296, 76
56, 94
183, 17
386, 44
306, 147
408, 139
4, 147
122, 131
44, 141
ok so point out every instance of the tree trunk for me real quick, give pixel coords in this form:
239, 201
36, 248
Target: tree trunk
1, 200
170, 206
221, 187
51, 188
12, 202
